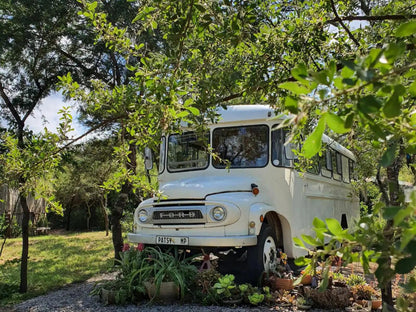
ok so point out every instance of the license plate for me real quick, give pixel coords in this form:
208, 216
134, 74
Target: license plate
172, 240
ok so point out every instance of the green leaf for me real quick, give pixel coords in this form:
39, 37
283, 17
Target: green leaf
335, 123
393, 51
182, 114
300, 73
402, 214
390, 212
318, 223
334, 226
349, 120
412, 88
321, 77
298, 242
193, 110
302, 261
295, 87
407, 240
392, 107
404, 266
406, 29
388, 156
332, 68
291, 104
313, 142
369, 104
310, 240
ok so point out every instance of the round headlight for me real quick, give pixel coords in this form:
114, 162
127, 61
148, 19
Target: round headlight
218, 213
143, 215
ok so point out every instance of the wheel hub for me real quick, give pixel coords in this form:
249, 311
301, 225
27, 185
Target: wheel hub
269, 254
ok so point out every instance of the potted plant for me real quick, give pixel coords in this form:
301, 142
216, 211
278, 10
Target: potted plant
282, 276
163, 275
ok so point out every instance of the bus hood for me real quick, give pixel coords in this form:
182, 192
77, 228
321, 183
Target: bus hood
200, 187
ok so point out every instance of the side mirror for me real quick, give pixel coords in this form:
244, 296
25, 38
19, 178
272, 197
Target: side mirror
148, 159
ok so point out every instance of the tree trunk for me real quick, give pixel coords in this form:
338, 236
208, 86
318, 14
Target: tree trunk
116, 214
88, 216
103, 206
393, 200
25, 244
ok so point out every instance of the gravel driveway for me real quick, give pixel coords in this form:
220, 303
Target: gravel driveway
76, 298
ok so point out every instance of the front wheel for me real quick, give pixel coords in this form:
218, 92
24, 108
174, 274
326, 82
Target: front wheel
262, 257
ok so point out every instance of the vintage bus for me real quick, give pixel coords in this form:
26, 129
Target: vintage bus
250, 199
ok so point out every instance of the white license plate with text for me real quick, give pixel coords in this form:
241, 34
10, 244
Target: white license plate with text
172, 240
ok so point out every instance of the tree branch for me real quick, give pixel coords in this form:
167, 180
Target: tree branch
337, 18
370, 18
10, 105
89, 71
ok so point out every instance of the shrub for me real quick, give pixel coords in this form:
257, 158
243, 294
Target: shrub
355, 279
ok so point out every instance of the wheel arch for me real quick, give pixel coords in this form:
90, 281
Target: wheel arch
282, 229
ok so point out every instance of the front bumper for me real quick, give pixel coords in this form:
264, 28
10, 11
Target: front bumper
201, 241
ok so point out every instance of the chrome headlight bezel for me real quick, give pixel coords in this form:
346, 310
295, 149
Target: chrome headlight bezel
218, 213
143, 215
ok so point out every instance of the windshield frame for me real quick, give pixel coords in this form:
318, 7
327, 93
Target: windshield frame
168, 149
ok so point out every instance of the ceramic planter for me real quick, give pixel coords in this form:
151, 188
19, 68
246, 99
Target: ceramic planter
108, 296
168, 291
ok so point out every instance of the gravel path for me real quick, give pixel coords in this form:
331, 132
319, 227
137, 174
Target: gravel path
76, 298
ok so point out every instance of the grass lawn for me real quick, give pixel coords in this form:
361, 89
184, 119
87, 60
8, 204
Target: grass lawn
55, 260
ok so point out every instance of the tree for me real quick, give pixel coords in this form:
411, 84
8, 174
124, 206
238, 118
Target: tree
39, 42
297, 56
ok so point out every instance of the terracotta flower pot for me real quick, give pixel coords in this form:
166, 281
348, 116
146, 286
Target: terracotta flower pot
375, 304
282, 283
306, 279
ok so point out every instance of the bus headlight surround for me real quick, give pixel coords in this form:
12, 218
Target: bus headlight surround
218, 213
143, 215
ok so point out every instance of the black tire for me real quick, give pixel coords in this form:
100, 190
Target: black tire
262, 257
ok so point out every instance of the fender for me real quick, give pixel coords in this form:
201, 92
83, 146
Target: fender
256, 211
261, 209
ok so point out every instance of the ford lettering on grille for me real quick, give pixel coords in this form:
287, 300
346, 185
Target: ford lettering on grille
177, 214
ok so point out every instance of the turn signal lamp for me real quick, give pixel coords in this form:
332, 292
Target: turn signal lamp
255, 189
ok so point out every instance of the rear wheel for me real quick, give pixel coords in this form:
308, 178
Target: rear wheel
262, 257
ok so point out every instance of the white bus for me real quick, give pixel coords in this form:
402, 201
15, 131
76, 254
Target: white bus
254, 203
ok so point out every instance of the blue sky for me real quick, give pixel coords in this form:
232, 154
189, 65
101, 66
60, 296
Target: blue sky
46, 115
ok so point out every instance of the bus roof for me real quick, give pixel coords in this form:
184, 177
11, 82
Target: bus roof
234, 113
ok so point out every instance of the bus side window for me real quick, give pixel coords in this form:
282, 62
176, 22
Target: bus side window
326, 164
336, 165
279, 158
345, 169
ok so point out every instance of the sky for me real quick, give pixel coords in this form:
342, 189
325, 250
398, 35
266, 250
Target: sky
46, 115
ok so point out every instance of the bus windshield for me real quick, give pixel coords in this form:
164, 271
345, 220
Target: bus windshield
187, 151
242, 147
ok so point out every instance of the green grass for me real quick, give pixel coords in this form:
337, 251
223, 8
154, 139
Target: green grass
54, 261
